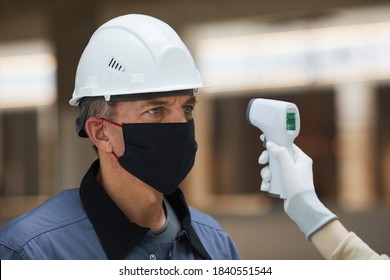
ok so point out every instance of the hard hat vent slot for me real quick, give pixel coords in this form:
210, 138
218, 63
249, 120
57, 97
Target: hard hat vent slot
115, 65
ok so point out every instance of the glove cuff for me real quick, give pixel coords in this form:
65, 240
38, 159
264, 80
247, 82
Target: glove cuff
308, 212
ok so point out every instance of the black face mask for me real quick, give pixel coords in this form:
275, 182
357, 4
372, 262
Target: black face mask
159, 154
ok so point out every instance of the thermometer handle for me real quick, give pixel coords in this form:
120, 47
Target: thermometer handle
276, 188
276, 183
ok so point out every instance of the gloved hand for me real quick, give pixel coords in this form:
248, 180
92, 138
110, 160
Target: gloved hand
301, 203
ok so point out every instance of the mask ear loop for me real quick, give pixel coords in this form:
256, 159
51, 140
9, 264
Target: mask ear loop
114, 123
114, 154
107, 120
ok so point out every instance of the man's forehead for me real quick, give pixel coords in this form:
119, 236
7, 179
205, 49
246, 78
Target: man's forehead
150, 95
166, 99
160, 101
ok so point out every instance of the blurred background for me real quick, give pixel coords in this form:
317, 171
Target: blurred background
331, 58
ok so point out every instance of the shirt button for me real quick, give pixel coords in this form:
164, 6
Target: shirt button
152, 256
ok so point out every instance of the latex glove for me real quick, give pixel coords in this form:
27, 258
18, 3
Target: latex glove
301, 204
265, 172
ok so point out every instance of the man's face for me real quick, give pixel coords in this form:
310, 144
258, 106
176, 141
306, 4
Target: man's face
170, 109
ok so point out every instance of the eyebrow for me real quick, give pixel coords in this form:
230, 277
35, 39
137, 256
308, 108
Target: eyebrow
192, 99
160, 101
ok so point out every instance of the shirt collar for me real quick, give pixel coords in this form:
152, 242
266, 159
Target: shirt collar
117, 234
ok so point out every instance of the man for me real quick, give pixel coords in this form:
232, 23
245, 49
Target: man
135, 87
302, 205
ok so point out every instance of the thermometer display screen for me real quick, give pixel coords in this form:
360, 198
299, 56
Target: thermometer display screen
290, 121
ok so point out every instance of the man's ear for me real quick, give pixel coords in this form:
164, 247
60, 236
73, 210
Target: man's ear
96, 132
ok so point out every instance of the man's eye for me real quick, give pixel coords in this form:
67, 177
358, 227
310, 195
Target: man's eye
188, 109
154, 111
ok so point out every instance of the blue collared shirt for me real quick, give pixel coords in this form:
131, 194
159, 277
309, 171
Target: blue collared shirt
84, 223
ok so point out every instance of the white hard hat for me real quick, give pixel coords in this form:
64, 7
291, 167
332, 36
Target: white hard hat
134, 54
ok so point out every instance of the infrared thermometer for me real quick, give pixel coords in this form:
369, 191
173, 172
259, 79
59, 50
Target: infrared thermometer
280, 123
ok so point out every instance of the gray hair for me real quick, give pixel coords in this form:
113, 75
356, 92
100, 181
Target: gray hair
96, 107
